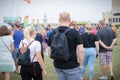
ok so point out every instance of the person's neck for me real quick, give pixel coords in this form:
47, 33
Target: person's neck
64, 24
102, 26
17, 29
87, 31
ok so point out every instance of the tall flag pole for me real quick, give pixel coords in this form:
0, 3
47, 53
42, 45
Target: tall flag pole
26, 21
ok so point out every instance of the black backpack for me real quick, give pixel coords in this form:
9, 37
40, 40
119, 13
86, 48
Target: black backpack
24, 55
59, 45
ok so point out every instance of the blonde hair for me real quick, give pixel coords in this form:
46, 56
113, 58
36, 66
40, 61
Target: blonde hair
88, 27
28, 31
41, 30
114, 29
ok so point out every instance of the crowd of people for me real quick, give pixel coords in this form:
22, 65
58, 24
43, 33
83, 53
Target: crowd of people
85, 43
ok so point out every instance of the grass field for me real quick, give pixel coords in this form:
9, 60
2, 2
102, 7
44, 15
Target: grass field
51, 75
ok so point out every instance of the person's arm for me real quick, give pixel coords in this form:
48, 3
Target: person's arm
113, 43
97, 47
102, 44
80, 54
40, 61
12, 46
100, 41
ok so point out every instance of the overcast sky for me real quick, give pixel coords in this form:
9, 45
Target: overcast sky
80, 10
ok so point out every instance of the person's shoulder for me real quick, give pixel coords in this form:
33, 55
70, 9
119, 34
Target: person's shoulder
72, 30
36, 42
38, 34
8, 37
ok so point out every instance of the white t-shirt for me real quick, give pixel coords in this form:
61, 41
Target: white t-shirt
35, 46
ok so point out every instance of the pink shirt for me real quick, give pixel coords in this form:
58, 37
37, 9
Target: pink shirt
94, 31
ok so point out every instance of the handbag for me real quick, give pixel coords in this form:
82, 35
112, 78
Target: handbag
24, 55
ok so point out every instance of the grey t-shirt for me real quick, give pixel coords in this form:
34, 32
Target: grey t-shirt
106, 35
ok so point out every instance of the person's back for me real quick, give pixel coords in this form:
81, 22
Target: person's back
40, 39
36, 70
72, 36
17, 36
89, 40
91, 49
6, 47
107, 39
64, 69
106, 35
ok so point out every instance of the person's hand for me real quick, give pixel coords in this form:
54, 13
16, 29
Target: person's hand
96, 55
44, 73
109, 48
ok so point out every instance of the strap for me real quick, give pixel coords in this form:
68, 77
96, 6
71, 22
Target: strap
33, 57
66, 30
30, 43
5, 44
35, 53
56, 30
28, 46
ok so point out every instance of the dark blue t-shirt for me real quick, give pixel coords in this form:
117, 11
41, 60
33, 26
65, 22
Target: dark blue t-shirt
39, 38
106, 35
18, 36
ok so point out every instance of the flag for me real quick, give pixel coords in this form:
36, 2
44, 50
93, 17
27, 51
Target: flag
26, 21
32, 23
28, 1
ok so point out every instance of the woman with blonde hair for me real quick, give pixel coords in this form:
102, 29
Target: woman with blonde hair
91, 49
38, 70
43, 32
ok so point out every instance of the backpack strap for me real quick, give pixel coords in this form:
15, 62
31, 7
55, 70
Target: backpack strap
67, 30
56, 30
30, 43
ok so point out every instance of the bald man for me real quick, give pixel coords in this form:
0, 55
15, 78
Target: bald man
70, 69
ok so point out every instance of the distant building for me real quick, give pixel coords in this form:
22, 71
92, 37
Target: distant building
113, 17
45, 21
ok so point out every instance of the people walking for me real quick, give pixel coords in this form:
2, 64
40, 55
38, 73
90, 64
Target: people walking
107, 39
6, 48
37, 70
67, 68
91, 48
17, 36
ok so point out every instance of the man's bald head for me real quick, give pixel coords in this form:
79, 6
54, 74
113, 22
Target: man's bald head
64, 17
102, 23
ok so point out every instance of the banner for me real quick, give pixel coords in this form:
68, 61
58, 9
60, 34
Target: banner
28, 1
26, 21
32, 23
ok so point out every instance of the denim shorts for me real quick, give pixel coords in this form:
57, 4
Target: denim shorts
105, 58
15, 54
68, 74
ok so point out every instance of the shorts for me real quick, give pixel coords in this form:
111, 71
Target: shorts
15, 54
68, 74
105, 58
